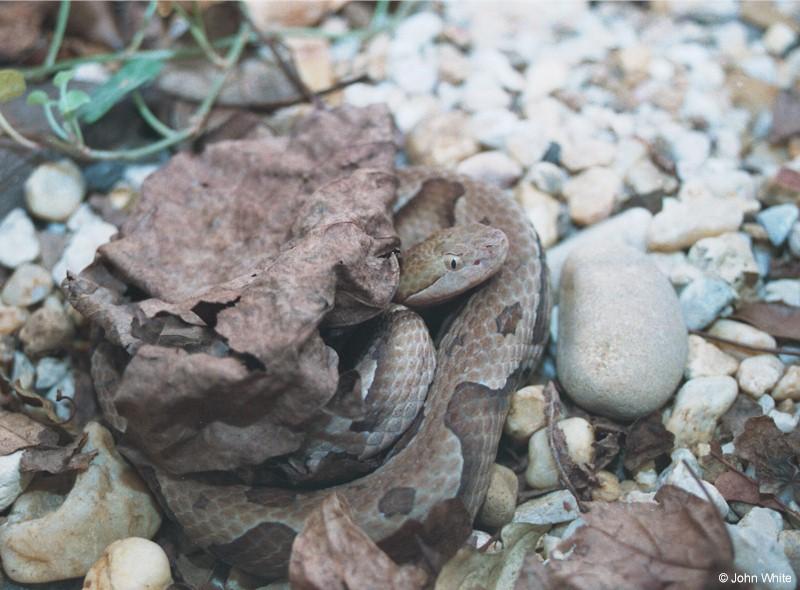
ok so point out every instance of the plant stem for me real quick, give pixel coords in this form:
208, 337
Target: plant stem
58, 33
138, 38
15, 135
150, 117
199, 35
176, 137
54, 125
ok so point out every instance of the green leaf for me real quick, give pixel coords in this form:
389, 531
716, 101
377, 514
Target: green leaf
38, 97
12, 85
131, 76
62, 78
72, 101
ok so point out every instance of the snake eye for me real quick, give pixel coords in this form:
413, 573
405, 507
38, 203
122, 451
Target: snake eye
452, 262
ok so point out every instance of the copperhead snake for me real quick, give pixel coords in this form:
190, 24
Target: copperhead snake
487, 348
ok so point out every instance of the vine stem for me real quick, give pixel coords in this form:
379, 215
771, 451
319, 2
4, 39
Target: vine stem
15, 135
58, 33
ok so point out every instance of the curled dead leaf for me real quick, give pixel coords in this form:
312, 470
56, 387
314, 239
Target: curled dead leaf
333, 552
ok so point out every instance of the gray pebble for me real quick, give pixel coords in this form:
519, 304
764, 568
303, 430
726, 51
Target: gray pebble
29, 284
703, 300
49, 371
622, 340
778, 221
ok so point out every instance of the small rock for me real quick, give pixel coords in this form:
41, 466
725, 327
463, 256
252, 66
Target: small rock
587, 152
91, 232
526, 413
130, 564
492, 127
790, 541
794, 240
706, 360
542, 210
453, 65
784, 422
23, 371
108, 502
622, 341
501, 498
756, 550
698, 406
680, 224
542, 472
49, 371
493, 167
778, 221
789, 385
703, 300
778, 38
766, 403
18, 242
54, 190
608, 489
783, 291
441, 140
758, 374
728, 256
29, 284
547, 177
591, 194
481, 92
742, 334
527, 144
645, 178
552, 508
48, 328
544, 76
675, 267
11, 319
12, 480
680, 476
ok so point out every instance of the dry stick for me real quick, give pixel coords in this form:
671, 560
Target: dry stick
286, 66
721, 458
550, 415
271, 106
779, 350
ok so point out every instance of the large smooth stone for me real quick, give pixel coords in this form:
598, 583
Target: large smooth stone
622, 340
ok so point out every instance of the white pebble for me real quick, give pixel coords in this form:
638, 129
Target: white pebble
542, 472
18, 241
130, 564
698, 406
591, 194
778, 221
758, 374
91, 233
742, 334
706, 360
54, 190
789, 385
729, 257
778, 38
552, 508
680, 224
542, 210
783, 421
29, 284
493, 167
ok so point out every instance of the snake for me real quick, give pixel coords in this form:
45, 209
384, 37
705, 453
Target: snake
485, 351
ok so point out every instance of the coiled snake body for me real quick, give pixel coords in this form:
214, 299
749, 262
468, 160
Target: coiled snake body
492, 341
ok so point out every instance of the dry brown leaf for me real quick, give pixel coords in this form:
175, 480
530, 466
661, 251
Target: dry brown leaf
784, 269
59, 459
333, 552
680, 542
283, 233
17, 431
774, 454
733, 421
647, 440
777, 319
737, 487
787, 179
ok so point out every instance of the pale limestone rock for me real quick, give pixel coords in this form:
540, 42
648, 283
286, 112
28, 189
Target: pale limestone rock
526, 413
591, 194
542, 472
742, 334
758, 374
107, 502
54, 190
130, 564
698, 406
501, 498
441, 140
682, 223
788, 388
707, 360
542, 210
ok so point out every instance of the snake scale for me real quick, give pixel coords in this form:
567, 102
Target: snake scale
487, 348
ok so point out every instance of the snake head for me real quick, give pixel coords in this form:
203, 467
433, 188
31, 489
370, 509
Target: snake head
450, 262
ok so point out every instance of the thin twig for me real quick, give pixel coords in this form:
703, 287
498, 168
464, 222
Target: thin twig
552, 398
271, 106
138, 38
778, 350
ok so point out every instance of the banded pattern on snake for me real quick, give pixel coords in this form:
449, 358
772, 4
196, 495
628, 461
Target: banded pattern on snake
488, 347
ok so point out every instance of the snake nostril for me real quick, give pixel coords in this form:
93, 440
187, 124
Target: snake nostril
477, 262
